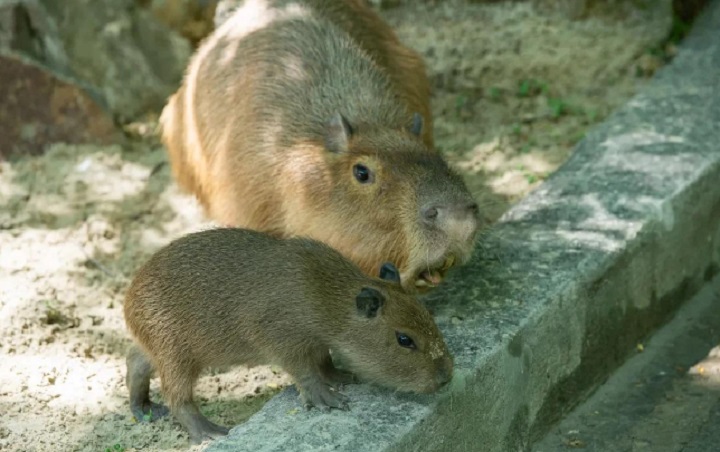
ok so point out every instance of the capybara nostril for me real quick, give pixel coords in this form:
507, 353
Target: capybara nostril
444, 371
443, 216
430, 213
474, 209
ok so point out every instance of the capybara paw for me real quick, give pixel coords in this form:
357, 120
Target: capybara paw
324, 397
148, 411
207, 431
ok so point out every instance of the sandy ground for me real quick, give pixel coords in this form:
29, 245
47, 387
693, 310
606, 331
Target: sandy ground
514, 91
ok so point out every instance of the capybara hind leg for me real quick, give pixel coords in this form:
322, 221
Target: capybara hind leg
197, 425
178, 379
139, 372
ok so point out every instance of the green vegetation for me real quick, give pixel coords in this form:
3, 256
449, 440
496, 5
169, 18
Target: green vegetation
558, 107
531, 87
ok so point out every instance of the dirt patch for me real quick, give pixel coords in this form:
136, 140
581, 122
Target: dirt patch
76, 224
514, 91
516, 87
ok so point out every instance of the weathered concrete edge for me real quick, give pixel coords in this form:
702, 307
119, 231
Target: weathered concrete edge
525, 375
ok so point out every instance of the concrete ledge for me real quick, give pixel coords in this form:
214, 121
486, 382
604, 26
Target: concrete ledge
578, 272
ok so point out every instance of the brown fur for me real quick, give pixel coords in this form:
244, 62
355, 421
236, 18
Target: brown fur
233, 296
250, 133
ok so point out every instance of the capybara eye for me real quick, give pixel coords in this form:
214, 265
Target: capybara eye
362, 173
404, 340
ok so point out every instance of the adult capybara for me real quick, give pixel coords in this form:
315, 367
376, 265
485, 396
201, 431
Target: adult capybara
310, 118
235, 296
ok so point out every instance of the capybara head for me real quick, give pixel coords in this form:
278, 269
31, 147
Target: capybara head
382, 195
401, 345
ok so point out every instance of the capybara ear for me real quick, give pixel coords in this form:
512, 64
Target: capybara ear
368, 302
338, 134
389, 272
417, 125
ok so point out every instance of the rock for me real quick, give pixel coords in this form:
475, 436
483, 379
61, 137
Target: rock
114, 47
192, 19
39, 108
687, 10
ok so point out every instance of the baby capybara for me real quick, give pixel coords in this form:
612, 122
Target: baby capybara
234, 296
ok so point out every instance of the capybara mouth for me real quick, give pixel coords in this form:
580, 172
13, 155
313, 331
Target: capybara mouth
432, 277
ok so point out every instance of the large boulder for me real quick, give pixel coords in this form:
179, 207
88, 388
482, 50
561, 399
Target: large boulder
193, 19
40, 108
117, 50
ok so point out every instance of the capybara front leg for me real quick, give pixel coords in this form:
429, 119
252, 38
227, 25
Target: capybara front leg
334, 376
314, 387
